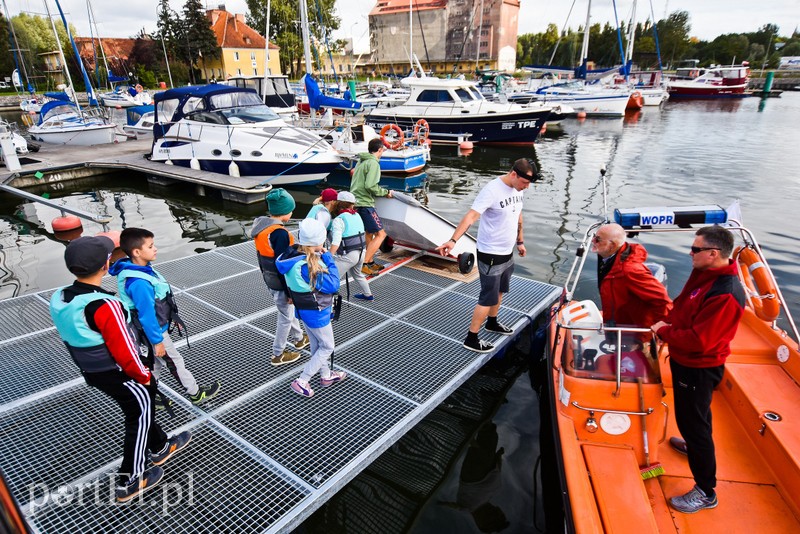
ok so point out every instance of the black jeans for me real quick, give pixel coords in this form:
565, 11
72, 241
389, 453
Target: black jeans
692, 388
141, 430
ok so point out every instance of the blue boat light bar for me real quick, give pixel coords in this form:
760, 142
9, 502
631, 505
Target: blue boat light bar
683, 217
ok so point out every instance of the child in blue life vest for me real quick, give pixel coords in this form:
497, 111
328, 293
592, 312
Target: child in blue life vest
313, 281
272, 240
348, 242
323, 208
148, 295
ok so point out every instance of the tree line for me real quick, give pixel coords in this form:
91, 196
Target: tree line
763, 46
186, 40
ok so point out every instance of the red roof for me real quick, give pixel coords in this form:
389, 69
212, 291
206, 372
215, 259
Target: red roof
232, 32
385, 7
113, 47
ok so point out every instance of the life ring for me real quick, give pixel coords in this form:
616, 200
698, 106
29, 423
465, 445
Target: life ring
139, 88
763, 295
398, 142
421, 131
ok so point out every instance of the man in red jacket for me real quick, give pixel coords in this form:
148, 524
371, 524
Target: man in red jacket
703, 322
629, 293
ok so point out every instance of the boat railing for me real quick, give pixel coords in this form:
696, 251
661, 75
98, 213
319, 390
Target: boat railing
617, 332
101, 219
732, 225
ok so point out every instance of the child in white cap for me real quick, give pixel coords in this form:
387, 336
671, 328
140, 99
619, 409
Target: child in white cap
313, 280
348, 243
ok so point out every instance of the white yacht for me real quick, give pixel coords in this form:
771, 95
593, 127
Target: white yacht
455, 109
62, 123
229, 130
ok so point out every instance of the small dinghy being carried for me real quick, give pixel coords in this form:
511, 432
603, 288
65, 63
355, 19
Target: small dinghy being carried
411, 225
611, 405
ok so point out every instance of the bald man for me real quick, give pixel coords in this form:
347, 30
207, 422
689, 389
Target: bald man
629, 293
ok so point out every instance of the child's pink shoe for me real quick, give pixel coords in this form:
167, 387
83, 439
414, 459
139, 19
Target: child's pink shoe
335, 378
302, 388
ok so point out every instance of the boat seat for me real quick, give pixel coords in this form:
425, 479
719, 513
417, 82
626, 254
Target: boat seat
768, 388
619, 490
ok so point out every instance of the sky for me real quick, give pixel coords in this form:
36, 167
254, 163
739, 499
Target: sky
708, 18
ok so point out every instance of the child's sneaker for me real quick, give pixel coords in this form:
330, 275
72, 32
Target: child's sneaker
362, 296
301, 387
174, 444
287, 356
335, 378
163, 403
138, 485
205, 393
303, 343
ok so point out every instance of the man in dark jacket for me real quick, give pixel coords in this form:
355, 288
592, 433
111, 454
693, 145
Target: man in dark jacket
702, 324
629, 293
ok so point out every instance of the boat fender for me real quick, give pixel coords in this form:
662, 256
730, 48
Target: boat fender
233, 169
761, 291
194, 163
66, 223
421, 131
69, 235
397, 143
113, 235
466, 261
139, 88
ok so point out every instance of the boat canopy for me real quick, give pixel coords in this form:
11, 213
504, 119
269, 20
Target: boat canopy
682, 217
135, 113
58, 95
51, 108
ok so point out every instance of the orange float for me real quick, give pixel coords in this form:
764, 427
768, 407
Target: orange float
66, 223
398, 140
113, 235
759, 282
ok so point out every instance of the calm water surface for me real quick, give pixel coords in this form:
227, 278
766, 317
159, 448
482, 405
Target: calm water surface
687, 153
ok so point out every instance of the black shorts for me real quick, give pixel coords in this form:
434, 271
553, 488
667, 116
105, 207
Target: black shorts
372, 223
495, 279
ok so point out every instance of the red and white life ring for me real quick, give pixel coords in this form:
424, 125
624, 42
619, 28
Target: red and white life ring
421, 131
397, 141
764, 299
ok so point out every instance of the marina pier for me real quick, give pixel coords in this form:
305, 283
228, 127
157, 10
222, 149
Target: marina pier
262, 459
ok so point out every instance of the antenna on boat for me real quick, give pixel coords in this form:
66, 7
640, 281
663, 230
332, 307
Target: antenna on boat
605, 193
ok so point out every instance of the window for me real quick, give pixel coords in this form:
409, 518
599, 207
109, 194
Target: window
252, 56
166, 109
255, 71
340, 67
238, 72
464, 95
236, 57
193, 104
432, 95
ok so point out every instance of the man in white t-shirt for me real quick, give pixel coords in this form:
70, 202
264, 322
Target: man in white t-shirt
499, 208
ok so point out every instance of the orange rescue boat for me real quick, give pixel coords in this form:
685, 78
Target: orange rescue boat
611, 406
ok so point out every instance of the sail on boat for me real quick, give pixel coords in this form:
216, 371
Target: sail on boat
65, 122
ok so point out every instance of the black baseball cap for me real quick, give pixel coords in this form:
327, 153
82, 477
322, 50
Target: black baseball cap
87, 255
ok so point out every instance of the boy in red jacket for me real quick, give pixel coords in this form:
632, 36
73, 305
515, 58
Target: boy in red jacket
96, 329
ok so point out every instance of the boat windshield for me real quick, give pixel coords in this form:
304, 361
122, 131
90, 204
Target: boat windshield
244, 107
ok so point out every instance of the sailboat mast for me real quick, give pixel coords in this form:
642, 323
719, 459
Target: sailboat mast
87, 83
478, 40
266, 52
63, 59
411, 33
631, 36
585, 45
306, 35
17, 51
99, 40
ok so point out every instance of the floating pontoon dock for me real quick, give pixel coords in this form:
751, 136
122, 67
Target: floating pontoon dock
262, 458
60, 163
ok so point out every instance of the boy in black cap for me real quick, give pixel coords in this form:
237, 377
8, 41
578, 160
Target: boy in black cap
96, 329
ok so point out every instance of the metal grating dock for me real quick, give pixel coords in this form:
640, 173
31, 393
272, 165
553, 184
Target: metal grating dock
262, 458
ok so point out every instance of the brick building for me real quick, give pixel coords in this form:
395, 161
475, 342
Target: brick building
448, 35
